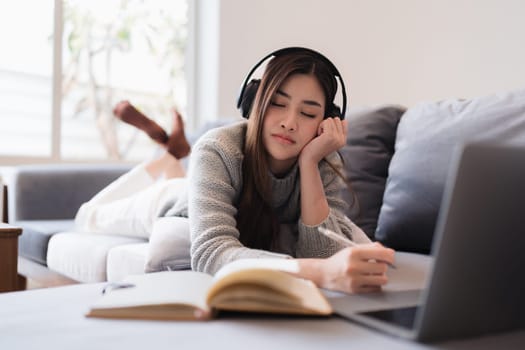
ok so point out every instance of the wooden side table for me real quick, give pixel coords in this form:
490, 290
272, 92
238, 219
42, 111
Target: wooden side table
9, 257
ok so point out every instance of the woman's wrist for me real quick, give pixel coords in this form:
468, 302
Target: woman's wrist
307, 161
313, 270
314, 205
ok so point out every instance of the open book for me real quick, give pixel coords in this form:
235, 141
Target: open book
253, 285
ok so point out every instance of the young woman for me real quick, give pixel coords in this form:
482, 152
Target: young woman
267, 187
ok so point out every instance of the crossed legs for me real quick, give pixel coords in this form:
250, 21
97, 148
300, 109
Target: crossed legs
176, 143
131, 204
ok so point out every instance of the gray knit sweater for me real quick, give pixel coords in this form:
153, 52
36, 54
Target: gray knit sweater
215, 184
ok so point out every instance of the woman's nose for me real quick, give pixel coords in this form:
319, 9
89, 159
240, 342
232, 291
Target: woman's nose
289, 122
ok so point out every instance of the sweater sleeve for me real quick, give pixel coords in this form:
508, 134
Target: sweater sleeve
311, 242
214, 186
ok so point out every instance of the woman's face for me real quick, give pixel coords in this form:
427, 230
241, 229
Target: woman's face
292, 120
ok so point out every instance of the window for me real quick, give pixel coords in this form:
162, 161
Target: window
25, 78
106, 51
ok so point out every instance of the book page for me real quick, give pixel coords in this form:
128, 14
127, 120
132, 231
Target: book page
286, 265
265, 285
159, 288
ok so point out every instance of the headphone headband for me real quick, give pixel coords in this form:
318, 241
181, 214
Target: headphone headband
287, 50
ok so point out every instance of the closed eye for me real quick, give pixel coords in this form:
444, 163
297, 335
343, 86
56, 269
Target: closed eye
277, 104
308, 115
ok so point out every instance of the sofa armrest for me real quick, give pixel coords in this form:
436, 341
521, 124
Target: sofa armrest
55, 191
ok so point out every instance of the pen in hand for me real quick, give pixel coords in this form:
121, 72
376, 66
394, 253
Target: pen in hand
345, 241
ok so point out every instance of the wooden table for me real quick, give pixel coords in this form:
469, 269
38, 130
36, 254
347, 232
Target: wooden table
9, 257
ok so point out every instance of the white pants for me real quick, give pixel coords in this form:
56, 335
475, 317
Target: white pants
128, 206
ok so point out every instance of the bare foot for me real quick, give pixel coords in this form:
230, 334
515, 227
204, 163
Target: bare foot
177, 143
129, 114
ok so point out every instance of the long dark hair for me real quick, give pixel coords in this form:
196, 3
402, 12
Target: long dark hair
256, 221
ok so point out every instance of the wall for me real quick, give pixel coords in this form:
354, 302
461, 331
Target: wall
401, 51
203, 72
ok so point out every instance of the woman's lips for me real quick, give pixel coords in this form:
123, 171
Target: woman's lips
283, 139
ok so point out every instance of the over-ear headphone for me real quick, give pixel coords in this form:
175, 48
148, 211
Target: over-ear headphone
249, 87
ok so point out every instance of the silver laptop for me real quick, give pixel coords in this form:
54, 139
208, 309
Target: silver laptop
477, 284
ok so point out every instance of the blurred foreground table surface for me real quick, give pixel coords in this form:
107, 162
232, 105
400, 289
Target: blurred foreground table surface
54, 318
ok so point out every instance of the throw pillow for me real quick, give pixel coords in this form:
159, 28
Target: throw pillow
169, 245
426, 137
366, 155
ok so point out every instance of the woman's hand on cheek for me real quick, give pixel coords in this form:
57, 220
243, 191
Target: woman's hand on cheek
331, 136
358, 269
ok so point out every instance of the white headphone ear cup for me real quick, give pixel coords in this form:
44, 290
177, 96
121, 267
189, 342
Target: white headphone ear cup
248, 97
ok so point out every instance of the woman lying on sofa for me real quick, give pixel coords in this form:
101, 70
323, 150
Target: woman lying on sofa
267, 187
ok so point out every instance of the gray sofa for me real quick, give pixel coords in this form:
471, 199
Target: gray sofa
396, 161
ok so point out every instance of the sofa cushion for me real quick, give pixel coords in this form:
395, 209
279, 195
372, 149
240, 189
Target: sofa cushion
426, 137
32, 244
125, 260
83, 256
366, 155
